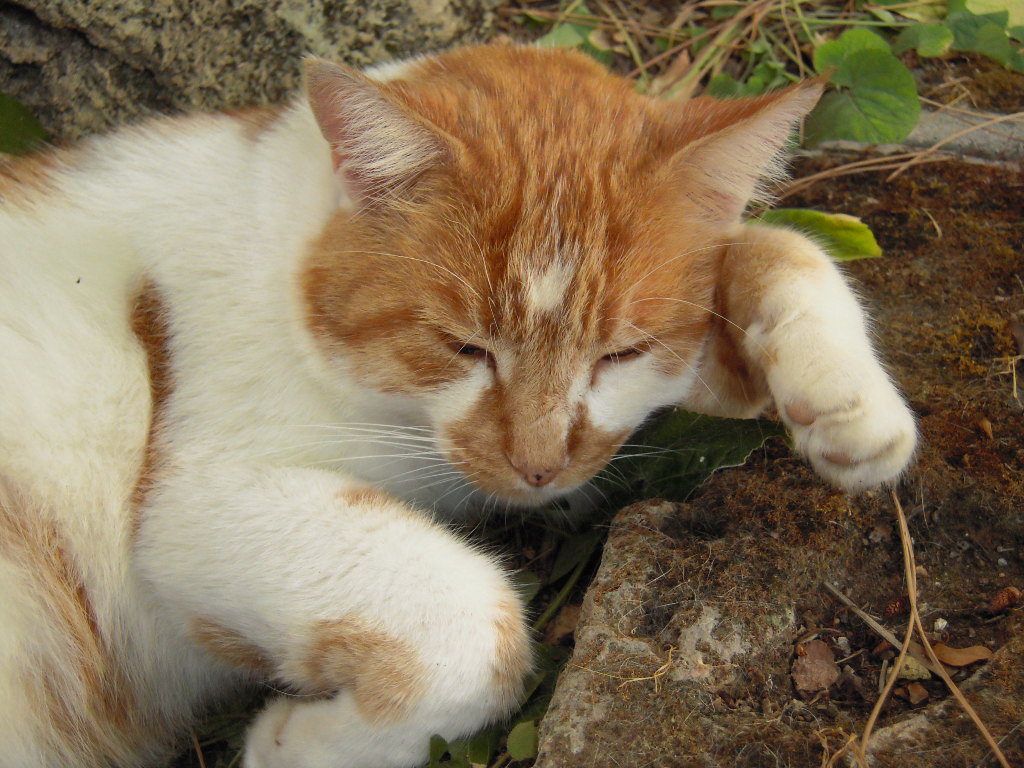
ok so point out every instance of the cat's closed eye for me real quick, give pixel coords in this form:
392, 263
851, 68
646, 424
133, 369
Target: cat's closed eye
623, 354
470, 350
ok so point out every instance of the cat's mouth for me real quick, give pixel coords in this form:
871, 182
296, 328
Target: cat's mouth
524, 486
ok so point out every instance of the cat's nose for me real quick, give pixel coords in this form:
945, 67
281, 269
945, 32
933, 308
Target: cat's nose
538, 477
536, 474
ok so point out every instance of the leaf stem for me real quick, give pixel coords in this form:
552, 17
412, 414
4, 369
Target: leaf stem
561, 597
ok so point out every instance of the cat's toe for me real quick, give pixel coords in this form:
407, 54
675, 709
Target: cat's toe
862, 444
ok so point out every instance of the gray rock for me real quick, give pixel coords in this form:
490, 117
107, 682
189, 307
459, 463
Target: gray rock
1003, 140
83, 66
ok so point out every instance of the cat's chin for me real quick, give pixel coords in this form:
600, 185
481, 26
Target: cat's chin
578, 500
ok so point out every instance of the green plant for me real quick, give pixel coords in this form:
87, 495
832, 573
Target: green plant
20, 132
748, 47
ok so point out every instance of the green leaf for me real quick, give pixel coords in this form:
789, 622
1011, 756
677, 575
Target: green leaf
522, 741
846, 238
481, 747
20, 132
883, 15
981, 34
458, 754
527, 585
876, 101
767, 76
834, 53
677, 451
921, 10
725, 86
933, 39
1014, 10
565, 35
575, 550
438, 748
548, 661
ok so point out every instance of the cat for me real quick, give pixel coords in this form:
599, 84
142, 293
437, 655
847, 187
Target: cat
253, 360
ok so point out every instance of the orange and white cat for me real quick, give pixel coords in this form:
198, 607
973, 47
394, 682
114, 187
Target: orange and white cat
249, 360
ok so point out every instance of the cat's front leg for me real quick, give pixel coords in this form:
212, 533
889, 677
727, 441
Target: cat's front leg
383, 627
794, 328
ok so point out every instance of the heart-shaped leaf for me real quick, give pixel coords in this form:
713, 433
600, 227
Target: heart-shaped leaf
876, 101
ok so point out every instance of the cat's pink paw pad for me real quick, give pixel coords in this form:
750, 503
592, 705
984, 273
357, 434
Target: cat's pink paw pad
800, 413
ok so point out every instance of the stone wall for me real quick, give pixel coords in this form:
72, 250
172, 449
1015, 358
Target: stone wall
85, 65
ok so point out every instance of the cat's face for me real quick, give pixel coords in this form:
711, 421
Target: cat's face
531, 260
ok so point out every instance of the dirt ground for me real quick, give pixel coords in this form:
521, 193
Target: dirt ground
686, 646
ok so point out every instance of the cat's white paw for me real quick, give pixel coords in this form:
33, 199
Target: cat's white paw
845, 416
328, 733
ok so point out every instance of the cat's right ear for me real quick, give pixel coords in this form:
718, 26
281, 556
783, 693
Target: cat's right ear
377, 144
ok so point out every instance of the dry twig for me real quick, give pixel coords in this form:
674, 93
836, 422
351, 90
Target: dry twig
199, 750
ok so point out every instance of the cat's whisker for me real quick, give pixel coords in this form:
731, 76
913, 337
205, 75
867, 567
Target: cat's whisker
413, 433
608, 468
605, 475
346, 424
474, 242
434, 470
393, 456
420, 448
412, 476
455, 482
660, 452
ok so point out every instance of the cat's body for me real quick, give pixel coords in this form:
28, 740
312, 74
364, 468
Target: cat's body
236, 352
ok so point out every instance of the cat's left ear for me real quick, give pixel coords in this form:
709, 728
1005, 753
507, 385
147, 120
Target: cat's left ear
738, 146
378, 145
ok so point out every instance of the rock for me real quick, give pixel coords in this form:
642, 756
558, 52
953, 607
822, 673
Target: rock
1003, 140
668, 647
83, 66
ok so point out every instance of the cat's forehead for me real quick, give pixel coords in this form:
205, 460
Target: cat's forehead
555, 193
532, 112
550, 282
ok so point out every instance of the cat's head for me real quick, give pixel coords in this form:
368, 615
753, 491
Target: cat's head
530, 249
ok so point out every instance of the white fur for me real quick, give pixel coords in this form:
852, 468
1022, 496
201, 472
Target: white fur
218, 226
545, 290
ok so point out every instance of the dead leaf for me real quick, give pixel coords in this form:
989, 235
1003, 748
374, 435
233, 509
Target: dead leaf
916, 693
563, 625
984, 426
816, 668
961, 657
